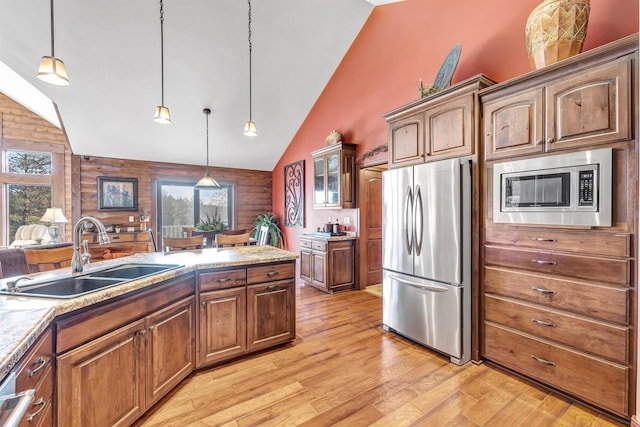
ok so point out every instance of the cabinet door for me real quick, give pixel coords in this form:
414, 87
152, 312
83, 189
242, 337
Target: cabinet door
223, 328
449, 128
513, 125
271, 314
319, 182
590, 107
170, 348
319, 269
102, 382
333, 179
305, 264
348, 179
406, 141
341, 264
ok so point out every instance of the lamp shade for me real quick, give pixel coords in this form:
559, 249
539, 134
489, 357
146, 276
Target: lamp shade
53, 71
250, 129
162, 115
53, 215
207, 181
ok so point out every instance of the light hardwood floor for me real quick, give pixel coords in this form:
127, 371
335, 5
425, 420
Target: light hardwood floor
345, 370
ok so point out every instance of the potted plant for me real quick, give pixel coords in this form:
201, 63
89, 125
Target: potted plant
273, 223
209, 223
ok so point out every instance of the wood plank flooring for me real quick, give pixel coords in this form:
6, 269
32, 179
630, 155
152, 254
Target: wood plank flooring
344, 370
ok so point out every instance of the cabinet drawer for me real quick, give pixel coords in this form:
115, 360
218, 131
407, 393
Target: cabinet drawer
39, 413
602, 383
122, 237
35, 364
319, 245
594, 337
222, 279
305, 244
581, 267
602, 302
270, 273
588, 242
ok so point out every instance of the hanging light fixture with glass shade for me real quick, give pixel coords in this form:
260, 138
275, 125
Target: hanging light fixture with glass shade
162, 113
250, 126
207, 180
52, 69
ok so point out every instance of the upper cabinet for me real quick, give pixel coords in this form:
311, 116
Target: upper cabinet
334, 176
563, 108
440, 126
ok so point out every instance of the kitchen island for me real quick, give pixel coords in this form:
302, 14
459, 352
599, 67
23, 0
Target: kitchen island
217, 305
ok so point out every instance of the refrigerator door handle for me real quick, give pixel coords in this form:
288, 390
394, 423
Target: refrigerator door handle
407, 226
418, 215
431, 287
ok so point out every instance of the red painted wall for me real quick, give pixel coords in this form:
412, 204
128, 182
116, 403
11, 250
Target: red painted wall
402, 42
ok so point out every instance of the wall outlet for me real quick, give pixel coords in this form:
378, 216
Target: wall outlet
347, 220
131, 218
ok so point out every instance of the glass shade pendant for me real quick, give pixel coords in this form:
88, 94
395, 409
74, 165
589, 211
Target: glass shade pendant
207, 181
52, 69
162, 115
250, 128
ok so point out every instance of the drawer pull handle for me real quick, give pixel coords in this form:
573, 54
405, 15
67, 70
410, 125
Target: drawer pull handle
40, 403
271, 288
543, 323
541, 360
42, 362
543, 239
222, 280
544, 291
272, 273
543, 262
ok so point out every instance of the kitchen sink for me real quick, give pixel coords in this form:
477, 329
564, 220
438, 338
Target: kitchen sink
71, 287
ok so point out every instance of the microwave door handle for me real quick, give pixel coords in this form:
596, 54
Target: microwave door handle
407, 225
417, 218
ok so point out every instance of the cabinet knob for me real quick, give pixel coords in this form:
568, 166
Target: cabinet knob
203, 303
152, 327
142, 332
538, 142
550, 140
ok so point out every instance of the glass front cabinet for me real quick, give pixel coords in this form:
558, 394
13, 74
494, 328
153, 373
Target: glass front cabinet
334, 180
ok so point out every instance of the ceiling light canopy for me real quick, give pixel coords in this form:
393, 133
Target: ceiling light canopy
162, 114
52, 69
250, 126
207, 181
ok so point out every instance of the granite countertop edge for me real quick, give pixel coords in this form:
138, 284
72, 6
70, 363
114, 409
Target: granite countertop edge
25, 318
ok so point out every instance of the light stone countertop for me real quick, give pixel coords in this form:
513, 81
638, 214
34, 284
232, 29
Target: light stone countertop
328, 238
23, 319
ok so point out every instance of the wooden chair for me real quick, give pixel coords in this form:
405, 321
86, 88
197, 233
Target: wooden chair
263, 234
48, 259
234, 232
182, 243
187, 231
233, 240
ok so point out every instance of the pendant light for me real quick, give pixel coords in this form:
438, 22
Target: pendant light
207, 181
250, 126
52, 69
162, 113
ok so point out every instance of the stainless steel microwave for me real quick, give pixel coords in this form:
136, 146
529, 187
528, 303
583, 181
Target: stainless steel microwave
562, 189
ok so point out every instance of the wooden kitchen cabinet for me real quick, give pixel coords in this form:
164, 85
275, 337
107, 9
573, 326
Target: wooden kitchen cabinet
436, 127
326, 264
115, 376
563, 110
223, 316
334, 176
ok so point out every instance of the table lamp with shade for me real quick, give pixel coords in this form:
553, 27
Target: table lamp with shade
54, 217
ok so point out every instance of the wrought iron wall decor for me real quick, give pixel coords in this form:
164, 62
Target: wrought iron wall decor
294, 194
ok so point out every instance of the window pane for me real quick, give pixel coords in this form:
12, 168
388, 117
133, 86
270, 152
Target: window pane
27, 204
26, 162
214, 204
176, 209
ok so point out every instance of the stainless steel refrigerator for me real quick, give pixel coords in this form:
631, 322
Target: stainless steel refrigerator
426, 240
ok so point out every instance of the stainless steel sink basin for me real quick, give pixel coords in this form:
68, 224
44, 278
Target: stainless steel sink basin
133, 271
71, 287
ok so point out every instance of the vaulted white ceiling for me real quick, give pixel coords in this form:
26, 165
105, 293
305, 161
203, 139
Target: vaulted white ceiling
111, 49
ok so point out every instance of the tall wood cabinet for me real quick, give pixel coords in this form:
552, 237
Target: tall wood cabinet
558, 303
334, 176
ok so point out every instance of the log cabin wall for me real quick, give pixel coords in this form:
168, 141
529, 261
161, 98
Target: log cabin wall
19, 125
253, 188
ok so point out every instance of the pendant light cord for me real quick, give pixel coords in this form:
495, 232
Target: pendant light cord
52, 44
206, 111
161, 49
250, 49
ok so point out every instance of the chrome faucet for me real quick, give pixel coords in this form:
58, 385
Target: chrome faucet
79, 260
12, 286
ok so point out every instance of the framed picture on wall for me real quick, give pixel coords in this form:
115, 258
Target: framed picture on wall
117, 194
294, 194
